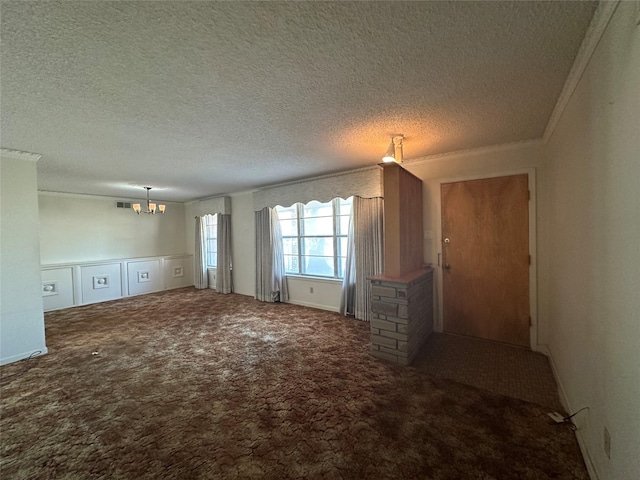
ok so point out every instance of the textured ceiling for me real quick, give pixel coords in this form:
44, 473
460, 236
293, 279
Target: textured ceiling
207, 98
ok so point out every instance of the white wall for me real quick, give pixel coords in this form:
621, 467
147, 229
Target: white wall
78, 228
326, 293
242, 239
189, 227
315, 292
594, 249
312, 292
243, 243
484, 162
21, 316
490, 161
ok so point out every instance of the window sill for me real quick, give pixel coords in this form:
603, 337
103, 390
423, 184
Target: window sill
310, 278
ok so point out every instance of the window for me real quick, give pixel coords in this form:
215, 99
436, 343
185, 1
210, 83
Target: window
314, 237
211, 239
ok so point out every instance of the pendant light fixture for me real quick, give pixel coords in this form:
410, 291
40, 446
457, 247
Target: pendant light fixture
394, 152
152, 208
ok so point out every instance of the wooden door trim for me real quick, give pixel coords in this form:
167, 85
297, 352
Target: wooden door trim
533, 272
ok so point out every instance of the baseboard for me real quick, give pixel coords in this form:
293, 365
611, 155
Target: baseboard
593, 474
22, 356
122, 297
591, 469
313, 305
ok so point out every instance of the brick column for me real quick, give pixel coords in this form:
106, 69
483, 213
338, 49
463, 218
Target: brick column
402, 317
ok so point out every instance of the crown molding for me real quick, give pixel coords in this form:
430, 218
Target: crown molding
474, 151
319, 177
20, 155
598, 24
206, 199
88, 196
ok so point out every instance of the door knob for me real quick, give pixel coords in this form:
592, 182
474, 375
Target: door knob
446, 266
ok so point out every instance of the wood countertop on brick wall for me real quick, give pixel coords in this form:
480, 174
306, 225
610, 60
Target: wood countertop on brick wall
403, 279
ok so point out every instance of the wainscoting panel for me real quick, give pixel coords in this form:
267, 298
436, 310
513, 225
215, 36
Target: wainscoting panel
144, 277
57, 288
70, 284
178, 272
101, 283
211, 277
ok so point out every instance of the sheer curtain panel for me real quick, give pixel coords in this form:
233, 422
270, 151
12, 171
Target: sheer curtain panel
280, 287
200, 256
348, 295
264, 255
366, 247
224, 281
271, 283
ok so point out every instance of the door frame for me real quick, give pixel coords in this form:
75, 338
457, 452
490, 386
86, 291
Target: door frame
533, 270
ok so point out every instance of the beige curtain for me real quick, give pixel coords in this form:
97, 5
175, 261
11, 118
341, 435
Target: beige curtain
365, 250
271, 282
224, 281
279, 277
200, 258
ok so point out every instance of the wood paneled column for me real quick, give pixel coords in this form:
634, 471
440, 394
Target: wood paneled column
403, 249
402, 297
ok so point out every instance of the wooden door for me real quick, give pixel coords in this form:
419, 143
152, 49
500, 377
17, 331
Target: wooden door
485, 258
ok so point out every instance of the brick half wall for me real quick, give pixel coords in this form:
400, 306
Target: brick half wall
402, 315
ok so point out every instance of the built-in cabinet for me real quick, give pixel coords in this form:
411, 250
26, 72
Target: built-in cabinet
70, 284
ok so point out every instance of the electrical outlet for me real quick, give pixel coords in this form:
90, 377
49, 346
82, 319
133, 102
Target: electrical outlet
310, 289
607, 443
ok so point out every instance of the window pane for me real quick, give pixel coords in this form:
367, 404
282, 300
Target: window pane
212, 259
289, 228
317, 209
287, 213
317, 246
342, 246
211, 241
309, 242
342, 261
317, 226
291, 264
211, 220
290, 246
322, 266
345, 206
343, 225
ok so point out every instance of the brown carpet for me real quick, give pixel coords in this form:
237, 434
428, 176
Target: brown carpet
500, 368
191, 384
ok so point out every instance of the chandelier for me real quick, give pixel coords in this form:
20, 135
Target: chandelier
151, 207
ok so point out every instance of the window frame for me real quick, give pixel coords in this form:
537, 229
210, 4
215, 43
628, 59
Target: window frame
211, 225
336, 238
